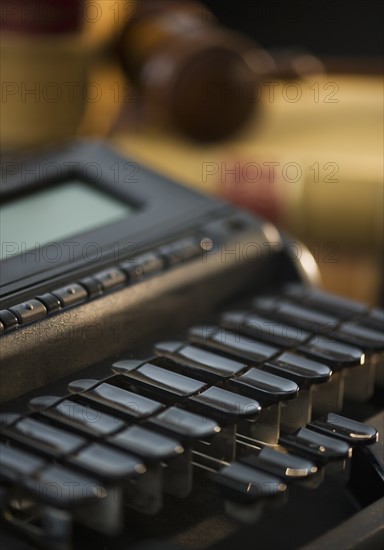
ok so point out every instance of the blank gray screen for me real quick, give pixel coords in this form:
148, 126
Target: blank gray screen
51, 215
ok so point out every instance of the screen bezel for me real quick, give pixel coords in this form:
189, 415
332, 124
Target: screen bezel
57, 213
162, 208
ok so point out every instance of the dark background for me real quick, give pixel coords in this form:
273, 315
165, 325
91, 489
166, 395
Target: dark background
326, 27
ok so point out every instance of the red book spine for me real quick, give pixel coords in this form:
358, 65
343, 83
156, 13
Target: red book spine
41, 16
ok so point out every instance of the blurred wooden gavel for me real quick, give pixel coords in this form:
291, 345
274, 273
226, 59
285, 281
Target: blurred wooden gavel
195, 75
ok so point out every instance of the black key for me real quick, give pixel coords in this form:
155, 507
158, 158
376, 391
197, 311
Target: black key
126, 365
264, 329
353, 432
271, 392
343, 308
92, 286
266, 387
124, 401
106, 463
111, 278
29, 311
244, 484
70, 295
363, 337
375, 319
51, 302
142, 267
77, 415
296, 291
298, 316
8, 320
184, 424
318, 447
162, 382
150, 446
180, 251
307, 375
44, 438
16, 463
336, 354
299, 369
232, 343
337, 305
224, 405
204, 364
7, 419
265, 304
377, 315
285, 466
65, 488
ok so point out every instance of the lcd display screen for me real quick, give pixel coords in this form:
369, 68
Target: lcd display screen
54, 214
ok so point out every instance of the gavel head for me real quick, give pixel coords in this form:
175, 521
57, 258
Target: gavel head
193, 74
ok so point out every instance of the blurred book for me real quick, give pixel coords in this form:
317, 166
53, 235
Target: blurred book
312, 161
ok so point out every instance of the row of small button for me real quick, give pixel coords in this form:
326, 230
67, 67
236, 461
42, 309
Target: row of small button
142, 267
